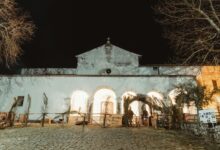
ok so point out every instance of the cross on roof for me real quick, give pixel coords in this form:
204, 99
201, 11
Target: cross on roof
108, 40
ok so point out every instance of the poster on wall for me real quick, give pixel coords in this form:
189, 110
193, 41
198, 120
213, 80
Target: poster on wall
207, 116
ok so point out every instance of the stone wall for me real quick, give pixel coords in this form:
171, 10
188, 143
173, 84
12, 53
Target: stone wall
210, 134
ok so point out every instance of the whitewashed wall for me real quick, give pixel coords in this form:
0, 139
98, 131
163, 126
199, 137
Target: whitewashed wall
96, 61
59, 88
122, 71
59, 84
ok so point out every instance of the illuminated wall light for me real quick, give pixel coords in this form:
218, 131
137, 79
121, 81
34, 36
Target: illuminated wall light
185, 108
79, 101
104, 95
136, 108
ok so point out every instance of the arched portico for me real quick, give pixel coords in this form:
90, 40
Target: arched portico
140, 103
78, 105
104, 100
79, 101
125, 96
104, 103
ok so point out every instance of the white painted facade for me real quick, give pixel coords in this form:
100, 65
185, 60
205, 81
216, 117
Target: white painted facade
107, 69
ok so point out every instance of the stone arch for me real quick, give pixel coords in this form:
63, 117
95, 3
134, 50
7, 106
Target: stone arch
157, 98
152, 99
79, 101
140, 104
136, 104
104, 98
126, 95
104, 104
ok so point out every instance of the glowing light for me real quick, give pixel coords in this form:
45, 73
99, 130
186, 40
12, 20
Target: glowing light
104, 98
185, 108
216, 98
79, 101
136, 108
147, 109
192, 108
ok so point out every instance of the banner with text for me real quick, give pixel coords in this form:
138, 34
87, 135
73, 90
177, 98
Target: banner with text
207, 116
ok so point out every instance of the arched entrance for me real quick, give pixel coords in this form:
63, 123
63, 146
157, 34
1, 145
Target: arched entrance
78, 105
104, 104
125, 96
140, 104
79, 101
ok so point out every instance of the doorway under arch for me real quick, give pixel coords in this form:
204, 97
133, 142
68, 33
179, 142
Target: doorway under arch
104, 105
141, 105
79, 101
104, 102
138, 106
126, 95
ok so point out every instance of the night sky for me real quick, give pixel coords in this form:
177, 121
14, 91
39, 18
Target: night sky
70, 27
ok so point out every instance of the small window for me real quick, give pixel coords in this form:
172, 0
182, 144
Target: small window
215, 85
20, 101
155, 68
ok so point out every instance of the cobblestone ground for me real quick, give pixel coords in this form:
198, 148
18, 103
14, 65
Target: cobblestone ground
96, 138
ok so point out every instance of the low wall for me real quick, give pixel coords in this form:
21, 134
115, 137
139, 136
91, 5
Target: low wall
209, 132
98, 119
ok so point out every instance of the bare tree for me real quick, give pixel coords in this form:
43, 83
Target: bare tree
15, 28
12, 112
44, 109
28, 110
193, 28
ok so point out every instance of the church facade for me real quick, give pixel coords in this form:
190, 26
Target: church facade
103, 76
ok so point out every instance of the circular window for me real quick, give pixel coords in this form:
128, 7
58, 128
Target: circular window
108, 71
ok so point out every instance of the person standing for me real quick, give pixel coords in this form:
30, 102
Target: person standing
130, 117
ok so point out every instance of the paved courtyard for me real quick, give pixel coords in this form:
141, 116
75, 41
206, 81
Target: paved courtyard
97, 138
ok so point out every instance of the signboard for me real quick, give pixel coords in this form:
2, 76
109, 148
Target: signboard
207, 116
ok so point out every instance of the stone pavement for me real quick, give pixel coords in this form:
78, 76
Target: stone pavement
96, 138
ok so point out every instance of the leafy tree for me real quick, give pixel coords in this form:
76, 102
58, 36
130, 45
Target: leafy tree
189, 92
193, 28
15, 28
